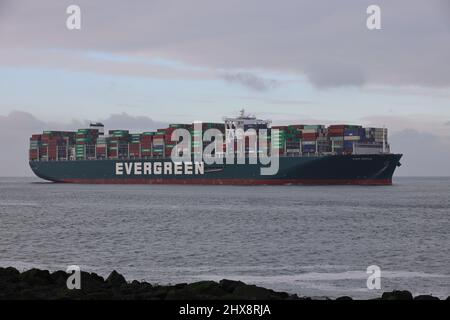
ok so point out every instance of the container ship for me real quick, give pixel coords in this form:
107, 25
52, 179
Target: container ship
305, 154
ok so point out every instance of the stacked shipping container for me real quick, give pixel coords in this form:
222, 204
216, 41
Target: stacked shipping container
290, 140
147, 144
55, 144
197, 143
117, 144
86, 139
158, 146
35, 145
135, 145
314, 139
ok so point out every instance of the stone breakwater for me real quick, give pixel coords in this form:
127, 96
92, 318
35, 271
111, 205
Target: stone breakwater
45, 285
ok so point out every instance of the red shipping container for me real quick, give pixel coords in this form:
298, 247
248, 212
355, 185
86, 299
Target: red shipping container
310, 136
33, 154
337, 126
52, 154
146, 138
335, 134
336, 130
134, 148
100, 150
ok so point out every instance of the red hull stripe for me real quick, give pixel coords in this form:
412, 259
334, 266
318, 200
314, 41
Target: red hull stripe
235, 181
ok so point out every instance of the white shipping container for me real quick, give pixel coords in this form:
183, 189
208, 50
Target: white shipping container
352, 138
363, 148
309, 130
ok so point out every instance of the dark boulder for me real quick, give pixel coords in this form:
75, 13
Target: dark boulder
252, 292
344, 298
180, 285
425, 297
159, 293
91, 282
59, 277
140, 286
9, 275
230, 285
36, 277
397, 295
197, 291
96, 277
115, 279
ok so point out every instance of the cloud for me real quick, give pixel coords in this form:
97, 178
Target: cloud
419, 122
17, 127
112, 65
251, 81
329, 74
134, 123
424, 154
325, 41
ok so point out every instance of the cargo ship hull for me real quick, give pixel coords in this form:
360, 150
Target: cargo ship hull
309, 170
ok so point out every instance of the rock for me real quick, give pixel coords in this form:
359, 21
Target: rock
40, 284
252, 292
305, 298
59, 277
344, 298
180, 285
9, 274
197, 291
397, 295
92, 282
230, 285
36, 277
96, 277
159, 293
115, 279
425, 297
140, 286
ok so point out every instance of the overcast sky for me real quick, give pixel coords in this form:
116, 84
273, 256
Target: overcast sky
172, 61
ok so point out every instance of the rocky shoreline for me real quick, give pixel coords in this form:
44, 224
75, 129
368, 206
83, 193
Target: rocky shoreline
45, 285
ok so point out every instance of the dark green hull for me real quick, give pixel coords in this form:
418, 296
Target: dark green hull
336, 169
